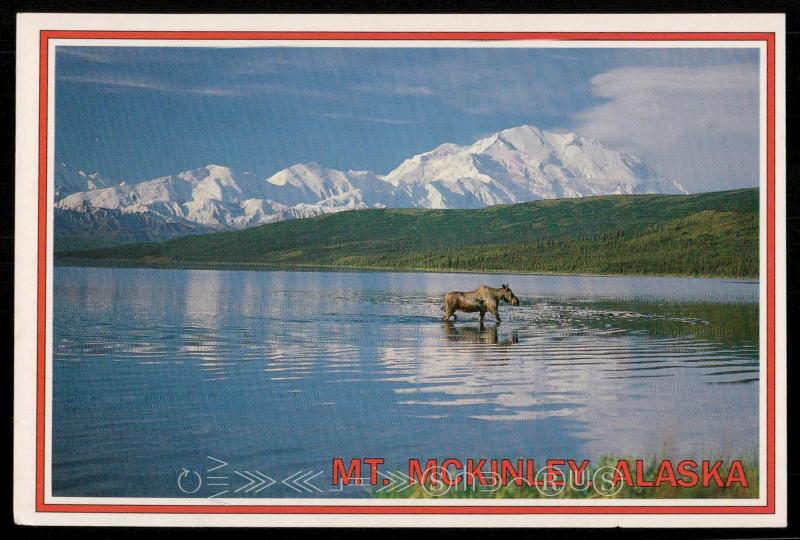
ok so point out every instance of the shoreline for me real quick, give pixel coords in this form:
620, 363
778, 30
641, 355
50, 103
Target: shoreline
265, 267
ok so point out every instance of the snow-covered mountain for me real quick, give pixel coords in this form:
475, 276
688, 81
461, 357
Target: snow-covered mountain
70, 181
515, 165
522, 164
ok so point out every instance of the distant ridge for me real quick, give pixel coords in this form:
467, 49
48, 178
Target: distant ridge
708, 234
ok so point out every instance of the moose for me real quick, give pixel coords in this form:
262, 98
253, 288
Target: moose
482, 299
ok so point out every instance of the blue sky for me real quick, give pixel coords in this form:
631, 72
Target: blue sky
135, 113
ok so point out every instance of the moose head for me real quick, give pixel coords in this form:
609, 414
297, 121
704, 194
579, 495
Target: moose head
508, 295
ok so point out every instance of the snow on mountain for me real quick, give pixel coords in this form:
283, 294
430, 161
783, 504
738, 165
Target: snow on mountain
69, 181
307, 183
514, 165
522, 164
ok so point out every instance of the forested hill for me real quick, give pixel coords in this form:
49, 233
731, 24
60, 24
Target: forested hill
710, 234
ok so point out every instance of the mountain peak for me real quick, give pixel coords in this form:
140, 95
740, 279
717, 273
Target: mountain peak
524, 129
527, 163
296, 171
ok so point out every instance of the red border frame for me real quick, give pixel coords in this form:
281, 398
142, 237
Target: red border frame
46, 35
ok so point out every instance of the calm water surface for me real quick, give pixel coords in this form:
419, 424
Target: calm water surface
160, 372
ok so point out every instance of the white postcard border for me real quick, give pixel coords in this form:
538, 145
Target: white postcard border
25, 343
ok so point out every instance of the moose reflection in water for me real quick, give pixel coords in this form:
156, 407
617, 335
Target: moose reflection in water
482, 334
479, 300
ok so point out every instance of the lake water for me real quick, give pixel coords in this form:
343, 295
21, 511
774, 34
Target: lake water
164, 375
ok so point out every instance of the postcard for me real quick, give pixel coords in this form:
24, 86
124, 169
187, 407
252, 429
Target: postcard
400, 270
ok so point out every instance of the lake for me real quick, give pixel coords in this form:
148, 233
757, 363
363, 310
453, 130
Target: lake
160, 376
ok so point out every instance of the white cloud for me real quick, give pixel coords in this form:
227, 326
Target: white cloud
394, 89
371, 119
83, 54
141, 84
698, 126
242, 90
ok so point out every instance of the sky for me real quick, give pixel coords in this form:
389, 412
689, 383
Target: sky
135, 113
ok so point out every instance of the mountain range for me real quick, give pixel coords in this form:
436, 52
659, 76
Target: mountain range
514, 165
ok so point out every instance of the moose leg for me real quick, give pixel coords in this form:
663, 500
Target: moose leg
483, 314
496, 315
448, 312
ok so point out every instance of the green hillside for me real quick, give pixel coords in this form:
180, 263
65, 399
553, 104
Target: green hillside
711, 234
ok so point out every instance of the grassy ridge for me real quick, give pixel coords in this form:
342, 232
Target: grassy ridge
713, 234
